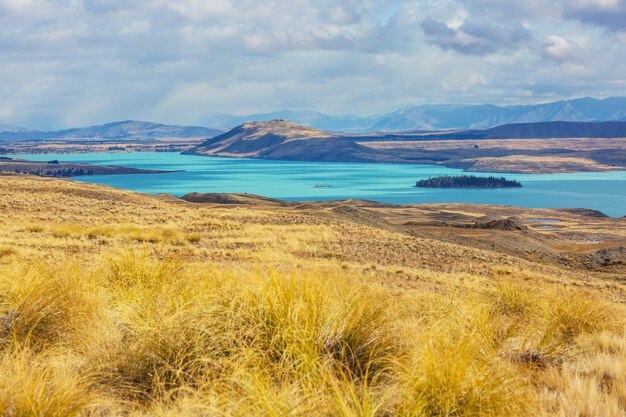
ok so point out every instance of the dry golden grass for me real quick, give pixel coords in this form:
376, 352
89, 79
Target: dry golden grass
114, 303
535, 164
519, 145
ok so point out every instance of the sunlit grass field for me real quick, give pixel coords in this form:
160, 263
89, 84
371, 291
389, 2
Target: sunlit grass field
119, 304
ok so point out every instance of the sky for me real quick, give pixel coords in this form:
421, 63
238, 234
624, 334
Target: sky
66, 63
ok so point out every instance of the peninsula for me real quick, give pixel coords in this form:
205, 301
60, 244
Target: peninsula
548, 153
55, 168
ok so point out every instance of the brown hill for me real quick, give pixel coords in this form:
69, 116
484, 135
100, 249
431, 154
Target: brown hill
284, 140
280, 139
233, 198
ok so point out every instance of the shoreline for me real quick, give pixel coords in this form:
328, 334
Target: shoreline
509, 163
340, 192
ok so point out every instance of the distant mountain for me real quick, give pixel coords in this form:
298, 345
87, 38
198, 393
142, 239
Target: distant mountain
12, 129
443, 117
137, 130
125, 130
447, 117
543, 130
283, 140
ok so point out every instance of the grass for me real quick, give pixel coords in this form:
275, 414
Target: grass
45, 385
257, 318
6, 251
152, 336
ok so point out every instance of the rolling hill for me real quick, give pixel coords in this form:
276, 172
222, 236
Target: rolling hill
306, 117
124, 130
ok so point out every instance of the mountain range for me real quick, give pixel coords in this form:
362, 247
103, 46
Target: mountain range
10, 129
125, 130
445, 116
425, 118
537, 130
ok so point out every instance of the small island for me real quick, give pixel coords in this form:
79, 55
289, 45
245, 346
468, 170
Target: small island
467, 181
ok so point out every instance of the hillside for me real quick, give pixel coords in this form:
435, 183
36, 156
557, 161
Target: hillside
309, 118
280, 139
543, 130
118, 303
532, 164
118, 131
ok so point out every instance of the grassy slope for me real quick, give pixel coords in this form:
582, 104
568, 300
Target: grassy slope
116, 303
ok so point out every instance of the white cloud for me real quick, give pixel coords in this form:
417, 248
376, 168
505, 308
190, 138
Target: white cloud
201, 9
562, 50
67, 62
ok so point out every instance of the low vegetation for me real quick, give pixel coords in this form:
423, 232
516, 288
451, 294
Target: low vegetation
54, 168
190, 310
467, 181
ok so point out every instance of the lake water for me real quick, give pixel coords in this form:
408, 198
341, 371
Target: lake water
388, 183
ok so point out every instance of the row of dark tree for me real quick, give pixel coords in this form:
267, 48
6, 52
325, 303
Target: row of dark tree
467, 181
65, 172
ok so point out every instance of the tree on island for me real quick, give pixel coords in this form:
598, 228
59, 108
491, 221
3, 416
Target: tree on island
467, 181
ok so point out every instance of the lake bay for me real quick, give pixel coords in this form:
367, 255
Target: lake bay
309, 181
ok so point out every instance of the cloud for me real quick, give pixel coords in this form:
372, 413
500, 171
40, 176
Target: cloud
79, 62
562, 50
607, 14
475, 38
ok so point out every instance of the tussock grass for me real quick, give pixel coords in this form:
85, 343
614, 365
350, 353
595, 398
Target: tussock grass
43, 385
118, 304
6, 251
42, 307
180, 327
153, 337
151, 234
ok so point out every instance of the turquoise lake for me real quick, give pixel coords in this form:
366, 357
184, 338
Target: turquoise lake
388, 183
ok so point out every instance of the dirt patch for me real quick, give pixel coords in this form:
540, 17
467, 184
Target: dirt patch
607, 257
500, 224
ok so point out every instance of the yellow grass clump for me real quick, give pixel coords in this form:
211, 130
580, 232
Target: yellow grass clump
281, 313
153, 337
